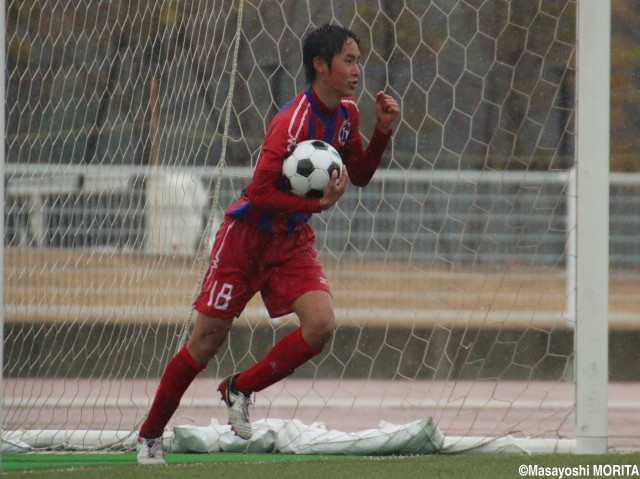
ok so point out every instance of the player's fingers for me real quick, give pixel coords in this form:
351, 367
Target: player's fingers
383, 97
387, 103
335, 189
391, 106
339, 184
335, 174
390, 101
345, 175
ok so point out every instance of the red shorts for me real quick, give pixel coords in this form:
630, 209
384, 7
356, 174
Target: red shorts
245, 260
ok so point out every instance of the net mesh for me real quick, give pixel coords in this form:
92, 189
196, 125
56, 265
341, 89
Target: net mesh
131, 125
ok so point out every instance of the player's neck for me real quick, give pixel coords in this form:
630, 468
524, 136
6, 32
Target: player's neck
327, 96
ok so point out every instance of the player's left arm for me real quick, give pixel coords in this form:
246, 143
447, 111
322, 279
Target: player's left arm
361, 163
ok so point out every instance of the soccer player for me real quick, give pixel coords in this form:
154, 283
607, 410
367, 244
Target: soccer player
265, 243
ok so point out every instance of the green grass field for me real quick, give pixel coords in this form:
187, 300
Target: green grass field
280, 466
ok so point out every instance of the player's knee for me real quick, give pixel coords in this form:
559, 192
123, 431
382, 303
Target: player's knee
200, 352
207, 353
204, 347
321, 332
327, 331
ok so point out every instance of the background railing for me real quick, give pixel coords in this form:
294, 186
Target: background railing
481, 218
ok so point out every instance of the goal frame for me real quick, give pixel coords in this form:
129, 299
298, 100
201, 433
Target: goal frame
592, 225
3, 73
591, 229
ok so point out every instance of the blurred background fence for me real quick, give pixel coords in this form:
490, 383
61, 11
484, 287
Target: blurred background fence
466, 217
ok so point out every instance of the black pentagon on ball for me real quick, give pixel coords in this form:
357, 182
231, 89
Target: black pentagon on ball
319, 145
312, 193
284, 184
305, 167
334, 167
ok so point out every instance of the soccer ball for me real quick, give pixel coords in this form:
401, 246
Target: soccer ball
308, 168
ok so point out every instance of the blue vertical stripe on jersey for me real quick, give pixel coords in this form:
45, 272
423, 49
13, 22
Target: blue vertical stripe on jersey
296, 219
329, 123
329, 128
265, 223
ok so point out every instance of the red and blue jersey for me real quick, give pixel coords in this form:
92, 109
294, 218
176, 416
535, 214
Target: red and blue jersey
263, 202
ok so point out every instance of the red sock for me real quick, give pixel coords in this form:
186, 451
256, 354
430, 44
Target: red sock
178, 375
288, 353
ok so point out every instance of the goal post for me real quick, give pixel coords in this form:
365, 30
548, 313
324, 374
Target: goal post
592, 274
2, 203
470, 277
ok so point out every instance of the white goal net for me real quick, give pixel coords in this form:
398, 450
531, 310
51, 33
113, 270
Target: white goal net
132, 124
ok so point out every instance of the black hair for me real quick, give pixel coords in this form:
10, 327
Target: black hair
324, 42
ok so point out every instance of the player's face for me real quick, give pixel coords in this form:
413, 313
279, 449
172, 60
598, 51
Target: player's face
343, 76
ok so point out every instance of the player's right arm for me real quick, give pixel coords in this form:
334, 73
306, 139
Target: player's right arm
263, 193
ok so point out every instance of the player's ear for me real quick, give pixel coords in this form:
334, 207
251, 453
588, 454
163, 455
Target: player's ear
320, 65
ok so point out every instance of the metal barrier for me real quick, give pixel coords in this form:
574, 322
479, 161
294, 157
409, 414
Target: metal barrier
466, 217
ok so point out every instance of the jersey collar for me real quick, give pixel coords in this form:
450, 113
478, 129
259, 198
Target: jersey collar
317, 103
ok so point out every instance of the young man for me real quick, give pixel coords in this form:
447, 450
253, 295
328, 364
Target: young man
265, 243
